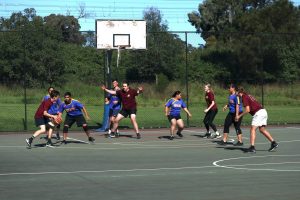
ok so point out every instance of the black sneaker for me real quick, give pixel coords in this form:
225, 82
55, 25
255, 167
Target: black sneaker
138, 136
49, 144
111, 135
274, 145
171, 137
91, 139
117, 134
207, 135
29, 142
222, 142
57, 136
64, 142
238, 143
251, 149
179, 134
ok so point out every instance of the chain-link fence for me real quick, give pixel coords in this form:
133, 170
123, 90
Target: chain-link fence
161, 69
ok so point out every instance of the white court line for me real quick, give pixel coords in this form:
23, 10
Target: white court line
106, 171
193, 131
216, 163
293, 127
258, 164
77, 140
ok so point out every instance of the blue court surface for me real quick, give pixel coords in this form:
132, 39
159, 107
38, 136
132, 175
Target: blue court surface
153, 167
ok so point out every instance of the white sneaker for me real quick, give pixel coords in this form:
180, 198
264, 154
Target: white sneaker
218, 135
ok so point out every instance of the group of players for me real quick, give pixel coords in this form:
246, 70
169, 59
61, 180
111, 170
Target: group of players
49, 116
123, 104
239, 104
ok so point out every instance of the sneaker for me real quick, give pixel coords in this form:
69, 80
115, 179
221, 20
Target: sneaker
251, 149
49, 144
274, 145
117, 134
179, 134
112, 135
91, 139
171, 137
64, 142
57, 136
138, 136
222, 142
207, 135
238, 143
217, 135
29, 142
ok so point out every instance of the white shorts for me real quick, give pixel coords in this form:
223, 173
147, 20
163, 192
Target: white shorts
260, 118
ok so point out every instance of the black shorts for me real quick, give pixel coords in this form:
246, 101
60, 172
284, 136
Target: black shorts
113, 113
170, 117
70, 120
128, 112
41, 121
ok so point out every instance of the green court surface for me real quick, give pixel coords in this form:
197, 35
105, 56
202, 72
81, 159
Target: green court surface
150, 168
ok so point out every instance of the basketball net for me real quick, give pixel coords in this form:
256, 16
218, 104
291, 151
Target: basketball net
119, 53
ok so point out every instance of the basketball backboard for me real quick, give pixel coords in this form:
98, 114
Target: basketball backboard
113, 34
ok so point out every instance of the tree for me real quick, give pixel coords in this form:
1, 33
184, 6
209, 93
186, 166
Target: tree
164, 50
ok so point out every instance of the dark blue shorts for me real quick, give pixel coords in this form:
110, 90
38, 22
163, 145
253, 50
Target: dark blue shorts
170, 117
70, 120
113, 113
41, 121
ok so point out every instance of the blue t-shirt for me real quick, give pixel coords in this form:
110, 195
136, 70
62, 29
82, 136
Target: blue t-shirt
112, 103
53, 110
72, 109
175, 106
234, 100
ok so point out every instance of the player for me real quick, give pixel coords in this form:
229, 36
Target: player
235, 108
210, 113
41, 118
114, 108
129, 106
53, 110
259, 119
74, 110
172, 111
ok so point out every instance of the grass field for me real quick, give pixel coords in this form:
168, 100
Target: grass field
281, 101
12, 118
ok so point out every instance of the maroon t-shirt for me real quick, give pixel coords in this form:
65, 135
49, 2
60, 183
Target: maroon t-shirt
250, 101
209, 98
45, 105
127, 98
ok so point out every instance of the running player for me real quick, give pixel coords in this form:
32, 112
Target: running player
74, 110
53, 110
172, 111
259, 119
235, 108
210, 112
42, 118
129, 106
114, 108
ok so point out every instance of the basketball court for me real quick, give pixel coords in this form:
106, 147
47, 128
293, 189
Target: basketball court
153, 167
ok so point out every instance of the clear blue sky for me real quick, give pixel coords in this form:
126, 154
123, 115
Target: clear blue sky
173, 11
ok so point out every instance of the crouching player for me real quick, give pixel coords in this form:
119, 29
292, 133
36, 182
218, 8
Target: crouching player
74, 112
42, 118
172, 111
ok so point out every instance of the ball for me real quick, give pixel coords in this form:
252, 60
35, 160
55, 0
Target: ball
57, 120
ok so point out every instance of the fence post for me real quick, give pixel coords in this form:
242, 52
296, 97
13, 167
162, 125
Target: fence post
24, 78
186, 77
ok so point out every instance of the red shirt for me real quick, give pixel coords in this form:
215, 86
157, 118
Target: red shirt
250, 101
45, 105
209, 98
127, 98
